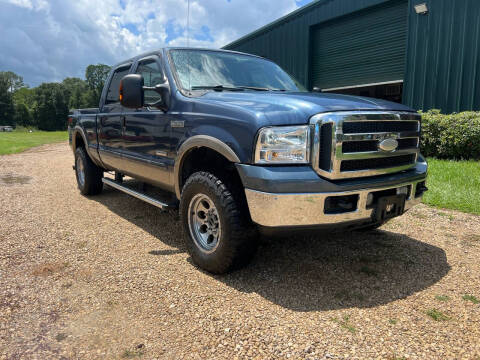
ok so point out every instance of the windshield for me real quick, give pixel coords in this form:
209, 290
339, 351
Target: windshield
204, 69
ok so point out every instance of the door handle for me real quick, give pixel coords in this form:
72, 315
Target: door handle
124, 123
102, 120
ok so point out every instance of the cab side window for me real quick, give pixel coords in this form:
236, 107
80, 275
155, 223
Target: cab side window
113, 89
152, 75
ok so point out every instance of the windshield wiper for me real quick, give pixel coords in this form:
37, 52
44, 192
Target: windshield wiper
232, 88
256, 88
217, 88
260, 88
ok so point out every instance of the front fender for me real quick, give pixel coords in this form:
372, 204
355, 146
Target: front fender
198, 141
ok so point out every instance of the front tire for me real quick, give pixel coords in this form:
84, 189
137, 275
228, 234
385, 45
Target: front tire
89, 176
218, 231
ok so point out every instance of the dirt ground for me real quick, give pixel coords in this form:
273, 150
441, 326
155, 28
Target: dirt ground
107, 277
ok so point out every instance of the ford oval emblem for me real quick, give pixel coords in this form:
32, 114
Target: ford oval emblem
389, 145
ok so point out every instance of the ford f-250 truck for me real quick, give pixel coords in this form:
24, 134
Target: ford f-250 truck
241, 146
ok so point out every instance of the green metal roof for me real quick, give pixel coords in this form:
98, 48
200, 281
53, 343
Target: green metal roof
277, 22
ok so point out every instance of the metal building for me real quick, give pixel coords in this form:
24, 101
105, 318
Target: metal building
424, 53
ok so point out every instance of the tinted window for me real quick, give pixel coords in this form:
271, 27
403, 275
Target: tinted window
113, 94
212, 68
152, 75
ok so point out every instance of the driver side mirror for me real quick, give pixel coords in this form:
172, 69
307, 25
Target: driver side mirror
132, 93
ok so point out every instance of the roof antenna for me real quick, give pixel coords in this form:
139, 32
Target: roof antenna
188, 45
188, 23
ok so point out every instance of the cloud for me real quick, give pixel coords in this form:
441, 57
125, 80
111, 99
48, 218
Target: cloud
48, 40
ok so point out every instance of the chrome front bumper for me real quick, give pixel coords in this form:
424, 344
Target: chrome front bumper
307, 209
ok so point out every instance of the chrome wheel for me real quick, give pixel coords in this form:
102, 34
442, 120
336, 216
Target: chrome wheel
80, 171
204, 223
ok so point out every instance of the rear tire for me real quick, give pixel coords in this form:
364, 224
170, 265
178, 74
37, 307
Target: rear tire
219, 234
89, 176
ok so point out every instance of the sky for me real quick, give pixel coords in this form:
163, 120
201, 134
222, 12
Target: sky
48, 40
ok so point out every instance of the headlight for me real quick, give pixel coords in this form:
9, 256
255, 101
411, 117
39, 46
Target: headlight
283, 145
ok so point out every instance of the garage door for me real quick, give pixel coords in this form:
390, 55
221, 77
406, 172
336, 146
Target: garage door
366, 47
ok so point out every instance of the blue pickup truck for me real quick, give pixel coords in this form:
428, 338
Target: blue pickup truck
240, 147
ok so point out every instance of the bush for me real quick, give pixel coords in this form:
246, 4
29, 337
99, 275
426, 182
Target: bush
454, 136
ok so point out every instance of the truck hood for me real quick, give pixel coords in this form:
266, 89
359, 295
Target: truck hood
290, 108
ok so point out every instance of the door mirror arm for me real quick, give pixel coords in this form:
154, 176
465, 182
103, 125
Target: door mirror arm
164, 90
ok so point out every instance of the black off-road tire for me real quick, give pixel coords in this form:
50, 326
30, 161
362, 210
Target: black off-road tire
238, 240
92, 180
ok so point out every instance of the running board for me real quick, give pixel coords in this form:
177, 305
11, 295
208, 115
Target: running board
138, 195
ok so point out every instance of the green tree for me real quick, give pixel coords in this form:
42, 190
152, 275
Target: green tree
24, 95
8, 82
51, 108
76, 93
24, 102
14, 81
47, 105
23, 115
96, 76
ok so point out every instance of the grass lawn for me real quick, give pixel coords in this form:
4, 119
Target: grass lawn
454, 185
17, 141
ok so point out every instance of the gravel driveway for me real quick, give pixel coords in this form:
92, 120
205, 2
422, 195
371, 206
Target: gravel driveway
108, 277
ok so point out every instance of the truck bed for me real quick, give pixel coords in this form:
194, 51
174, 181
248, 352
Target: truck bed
89, 111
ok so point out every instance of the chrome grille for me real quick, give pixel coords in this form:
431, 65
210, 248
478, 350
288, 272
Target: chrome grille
324, 161
372, 145
346, 144
378, 126
377, 163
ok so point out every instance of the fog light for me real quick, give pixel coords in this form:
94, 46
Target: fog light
369, 199
340, 204
420, 189
402, 190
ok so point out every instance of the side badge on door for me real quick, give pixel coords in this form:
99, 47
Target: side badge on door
177, 124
